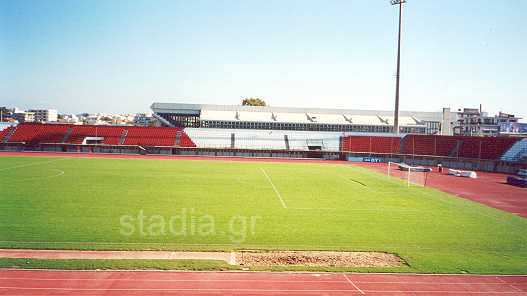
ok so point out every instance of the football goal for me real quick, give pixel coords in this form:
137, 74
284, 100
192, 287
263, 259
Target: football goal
414, 175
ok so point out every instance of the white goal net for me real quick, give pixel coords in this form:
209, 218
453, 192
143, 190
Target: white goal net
413, 175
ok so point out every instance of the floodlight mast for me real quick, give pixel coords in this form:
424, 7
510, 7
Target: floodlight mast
398, 75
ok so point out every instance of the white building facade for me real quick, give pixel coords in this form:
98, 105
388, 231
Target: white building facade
45, 115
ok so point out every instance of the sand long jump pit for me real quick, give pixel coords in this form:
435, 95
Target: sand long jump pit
318, 258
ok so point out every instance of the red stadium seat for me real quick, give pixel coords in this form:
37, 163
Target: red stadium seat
445, 145
432, 145
157, 136
39, 133
111, 134
371, 144
35, 133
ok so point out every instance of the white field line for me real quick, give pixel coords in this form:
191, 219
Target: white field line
313, 209
353, 284
359, 210
351, 181
31, 164
368, 187
60, 173
274, 188
376, 191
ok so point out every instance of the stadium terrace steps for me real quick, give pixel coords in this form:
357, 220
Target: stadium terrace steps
34, 134
516, 152
7, 133
455, 150
67, 135
178, 139
123, 137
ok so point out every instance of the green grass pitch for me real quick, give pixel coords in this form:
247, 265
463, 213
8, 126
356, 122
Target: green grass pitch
79, 203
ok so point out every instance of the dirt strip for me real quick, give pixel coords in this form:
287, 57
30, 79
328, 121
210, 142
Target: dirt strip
230, 258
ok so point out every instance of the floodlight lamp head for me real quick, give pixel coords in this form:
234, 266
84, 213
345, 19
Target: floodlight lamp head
397, 2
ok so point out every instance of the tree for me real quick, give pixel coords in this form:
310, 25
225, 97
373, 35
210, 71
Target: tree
253, 102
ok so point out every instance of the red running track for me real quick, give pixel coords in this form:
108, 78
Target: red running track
152, 283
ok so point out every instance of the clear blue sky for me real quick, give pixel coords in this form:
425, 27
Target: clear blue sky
120, 56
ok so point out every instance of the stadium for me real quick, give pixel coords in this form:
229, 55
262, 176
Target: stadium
256, 198
288, 165
247, 188
264, 189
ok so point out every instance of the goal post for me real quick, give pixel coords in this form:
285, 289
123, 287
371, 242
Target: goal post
413, 175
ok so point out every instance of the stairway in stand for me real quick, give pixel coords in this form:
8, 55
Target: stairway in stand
516, 152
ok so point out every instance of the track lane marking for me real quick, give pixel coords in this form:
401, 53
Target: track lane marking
353, 284
510, 284
274, 188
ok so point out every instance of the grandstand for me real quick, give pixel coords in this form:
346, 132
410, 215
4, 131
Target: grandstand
491, 148
264, 139
35, 134
297, 119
